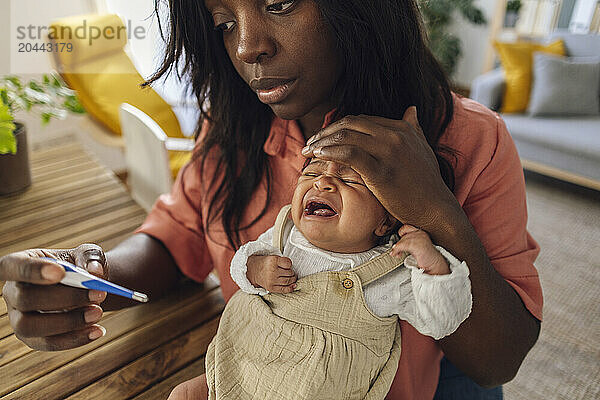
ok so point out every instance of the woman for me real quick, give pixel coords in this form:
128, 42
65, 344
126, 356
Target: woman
270, 74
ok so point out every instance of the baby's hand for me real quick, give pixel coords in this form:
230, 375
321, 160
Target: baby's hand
273, 273
418, 244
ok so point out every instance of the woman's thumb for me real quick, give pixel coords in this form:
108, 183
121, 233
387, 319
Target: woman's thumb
91, 257
410, 116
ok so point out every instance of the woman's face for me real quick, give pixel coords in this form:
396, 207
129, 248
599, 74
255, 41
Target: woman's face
283, 50
334, 209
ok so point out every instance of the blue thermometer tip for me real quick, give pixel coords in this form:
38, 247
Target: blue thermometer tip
80, 278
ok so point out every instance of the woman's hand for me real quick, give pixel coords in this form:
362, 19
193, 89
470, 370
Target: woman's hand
193, 389
273, 273
44, 314
393, 158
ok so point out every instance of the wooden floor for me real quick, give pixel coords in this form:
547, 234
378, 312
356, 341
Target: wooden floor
148, 349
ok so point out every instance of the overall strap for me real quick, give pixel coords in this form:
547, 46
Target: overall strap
279, 227
378, 267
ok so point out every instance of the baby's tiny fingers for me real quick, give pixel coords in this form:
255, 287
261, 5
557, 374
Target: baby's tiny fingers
286, 280
287, 289
404, 229
284, 263
397, 251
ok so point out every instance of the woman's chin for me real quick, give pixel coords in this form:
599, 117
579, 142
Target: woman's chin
286, 111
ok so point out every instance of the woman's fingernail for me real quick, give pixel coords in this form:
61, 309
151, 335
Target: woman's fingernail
98, 332
317, 151
94, 267
96, 296
306, 150
51, 272
92, 315
310, 140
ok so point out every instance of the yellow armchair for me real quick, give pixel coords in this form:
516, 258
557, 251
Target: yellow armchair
103, 75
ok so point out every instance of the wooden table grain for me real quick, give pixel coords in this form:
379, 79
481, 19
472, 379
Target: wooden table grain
148, 349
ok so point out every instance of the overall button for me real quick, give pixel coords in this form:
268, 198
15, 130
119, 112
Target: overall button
347, 283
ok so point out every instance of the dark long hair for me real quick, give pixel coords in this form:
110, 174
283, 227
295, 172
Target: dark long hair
387, 68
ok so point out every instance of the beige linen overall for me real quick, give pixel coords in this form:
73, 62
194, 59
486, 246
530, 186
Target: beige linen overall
318, 342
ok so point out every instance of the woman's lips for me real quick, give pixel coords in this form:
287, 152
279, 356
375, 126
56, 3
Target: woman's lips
275, 94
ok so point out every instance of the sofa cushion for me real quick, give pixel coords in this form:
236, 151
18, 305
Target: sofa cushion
578, 45
563, 86
517, 60
579, 136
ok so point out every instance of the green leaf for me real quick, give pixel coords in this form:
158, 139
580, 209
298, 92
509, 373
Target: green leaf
4, 97
8, 142
38, 96
46, 117
15, 81
35, 86
72, 104
56, 82
50, 97
5, 114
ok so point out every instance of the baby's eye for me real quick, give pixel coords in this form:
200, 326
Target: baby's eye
225, 26
280, 7
311, 174
351, 181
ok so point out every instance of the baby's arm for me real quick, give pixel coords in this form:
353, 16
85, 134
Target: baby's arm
440, 285
258, 267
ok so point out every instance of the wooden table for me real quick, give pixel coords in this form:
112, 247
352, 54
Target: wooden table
148, 349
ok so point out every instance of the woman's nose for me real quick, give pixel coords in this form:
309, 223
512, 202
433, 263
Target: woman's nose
325, 184
254, 41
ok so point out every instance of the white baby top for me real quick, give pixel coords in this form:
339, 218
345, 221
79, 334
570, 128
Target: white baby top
434, 304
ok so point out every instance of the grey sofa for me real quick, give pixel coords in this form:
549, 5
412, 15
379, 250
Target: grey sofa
564, 147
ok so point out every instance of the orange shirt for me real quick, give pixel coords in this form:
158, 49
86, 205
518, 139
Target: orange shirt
489, 186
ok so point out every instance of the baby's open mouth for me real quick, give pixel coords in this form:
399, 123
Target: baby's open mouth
319, 209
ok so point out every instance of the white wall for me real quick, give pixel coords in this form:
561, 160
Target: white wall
36, 13
476, 43
582, 16
140, 13
147, 53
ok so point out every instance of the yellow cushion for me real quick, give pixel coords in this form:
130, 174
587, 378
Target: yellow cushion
90, 35
517, 61
177, 159
104, 77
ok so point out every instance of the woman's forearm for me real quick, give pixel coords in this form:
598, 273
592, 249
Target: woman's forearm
492, 343
143, 264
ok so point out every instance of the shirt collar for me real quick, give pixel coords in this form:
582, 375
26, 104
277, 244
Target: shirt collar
298, 240
280, 129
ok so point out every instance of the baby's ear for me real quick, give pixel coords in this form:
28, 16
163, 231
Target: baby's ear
388, 226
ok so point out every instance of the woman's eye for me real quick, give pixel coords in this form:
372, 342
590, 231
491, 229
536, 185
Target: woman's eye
225, 26
281, 6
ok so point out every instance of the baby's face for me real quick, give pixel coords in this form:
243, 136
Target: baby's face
334, 209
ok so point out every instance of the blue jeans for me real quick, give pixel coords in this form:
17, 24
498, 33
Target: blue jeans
454, 385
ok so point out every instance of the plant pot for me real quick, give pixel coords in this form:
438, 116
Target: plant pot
510, 18
15, 173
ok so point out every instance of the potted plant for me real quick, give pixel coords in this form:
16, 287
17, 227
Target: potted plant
51, 99
512, 13
438, 16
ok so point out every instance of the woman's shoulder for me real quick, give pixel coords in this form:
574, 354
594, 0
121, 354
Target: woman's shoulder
473, 126
480, 143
